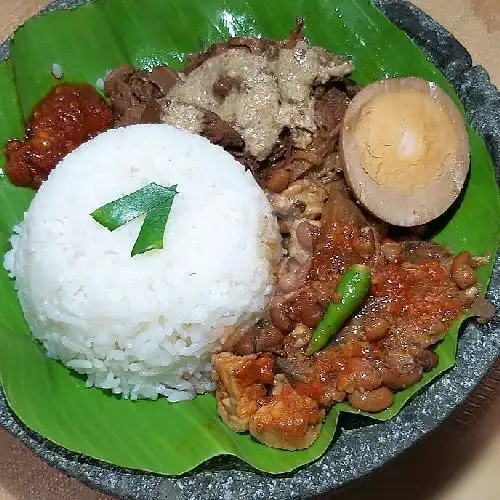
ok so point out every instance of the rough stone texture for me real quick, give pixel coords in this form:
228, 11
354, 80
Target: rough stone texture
360, 445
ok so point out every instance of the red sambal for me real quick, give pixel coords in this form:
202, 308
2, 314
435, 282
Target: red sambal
68, 116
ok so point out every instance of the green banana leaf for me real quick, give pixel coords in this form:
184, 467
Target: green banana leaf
87, 42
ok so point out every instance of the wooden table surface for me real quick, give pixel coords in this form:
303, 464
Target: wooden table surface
457, 462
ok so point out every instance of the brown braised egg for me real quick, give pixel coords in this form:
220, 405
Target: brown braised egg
405, 150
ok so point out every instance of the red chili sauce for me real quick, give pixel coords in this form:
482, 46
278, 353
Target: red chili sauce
68, 116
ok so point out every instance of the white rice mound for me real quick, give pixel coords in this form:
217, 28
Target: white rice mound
144, 325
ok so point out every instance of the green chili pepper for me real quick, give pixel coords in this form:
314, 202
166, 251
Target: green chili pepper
352, 288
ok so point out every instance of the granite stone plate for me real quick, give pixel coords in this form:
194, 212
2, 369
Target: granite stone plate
360, 445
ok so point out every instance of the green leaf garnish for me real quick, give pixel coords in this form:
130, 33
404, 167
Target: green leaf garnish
153, 200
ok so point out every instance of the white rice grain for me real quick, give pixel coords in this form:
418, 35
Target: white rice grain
99, 84
57, 71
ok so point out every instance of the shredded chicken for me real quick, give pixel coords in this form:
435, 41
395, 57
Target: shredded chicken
306, 195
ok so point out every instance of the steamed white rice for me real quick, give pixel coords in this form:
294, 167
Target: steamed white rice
144, 325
